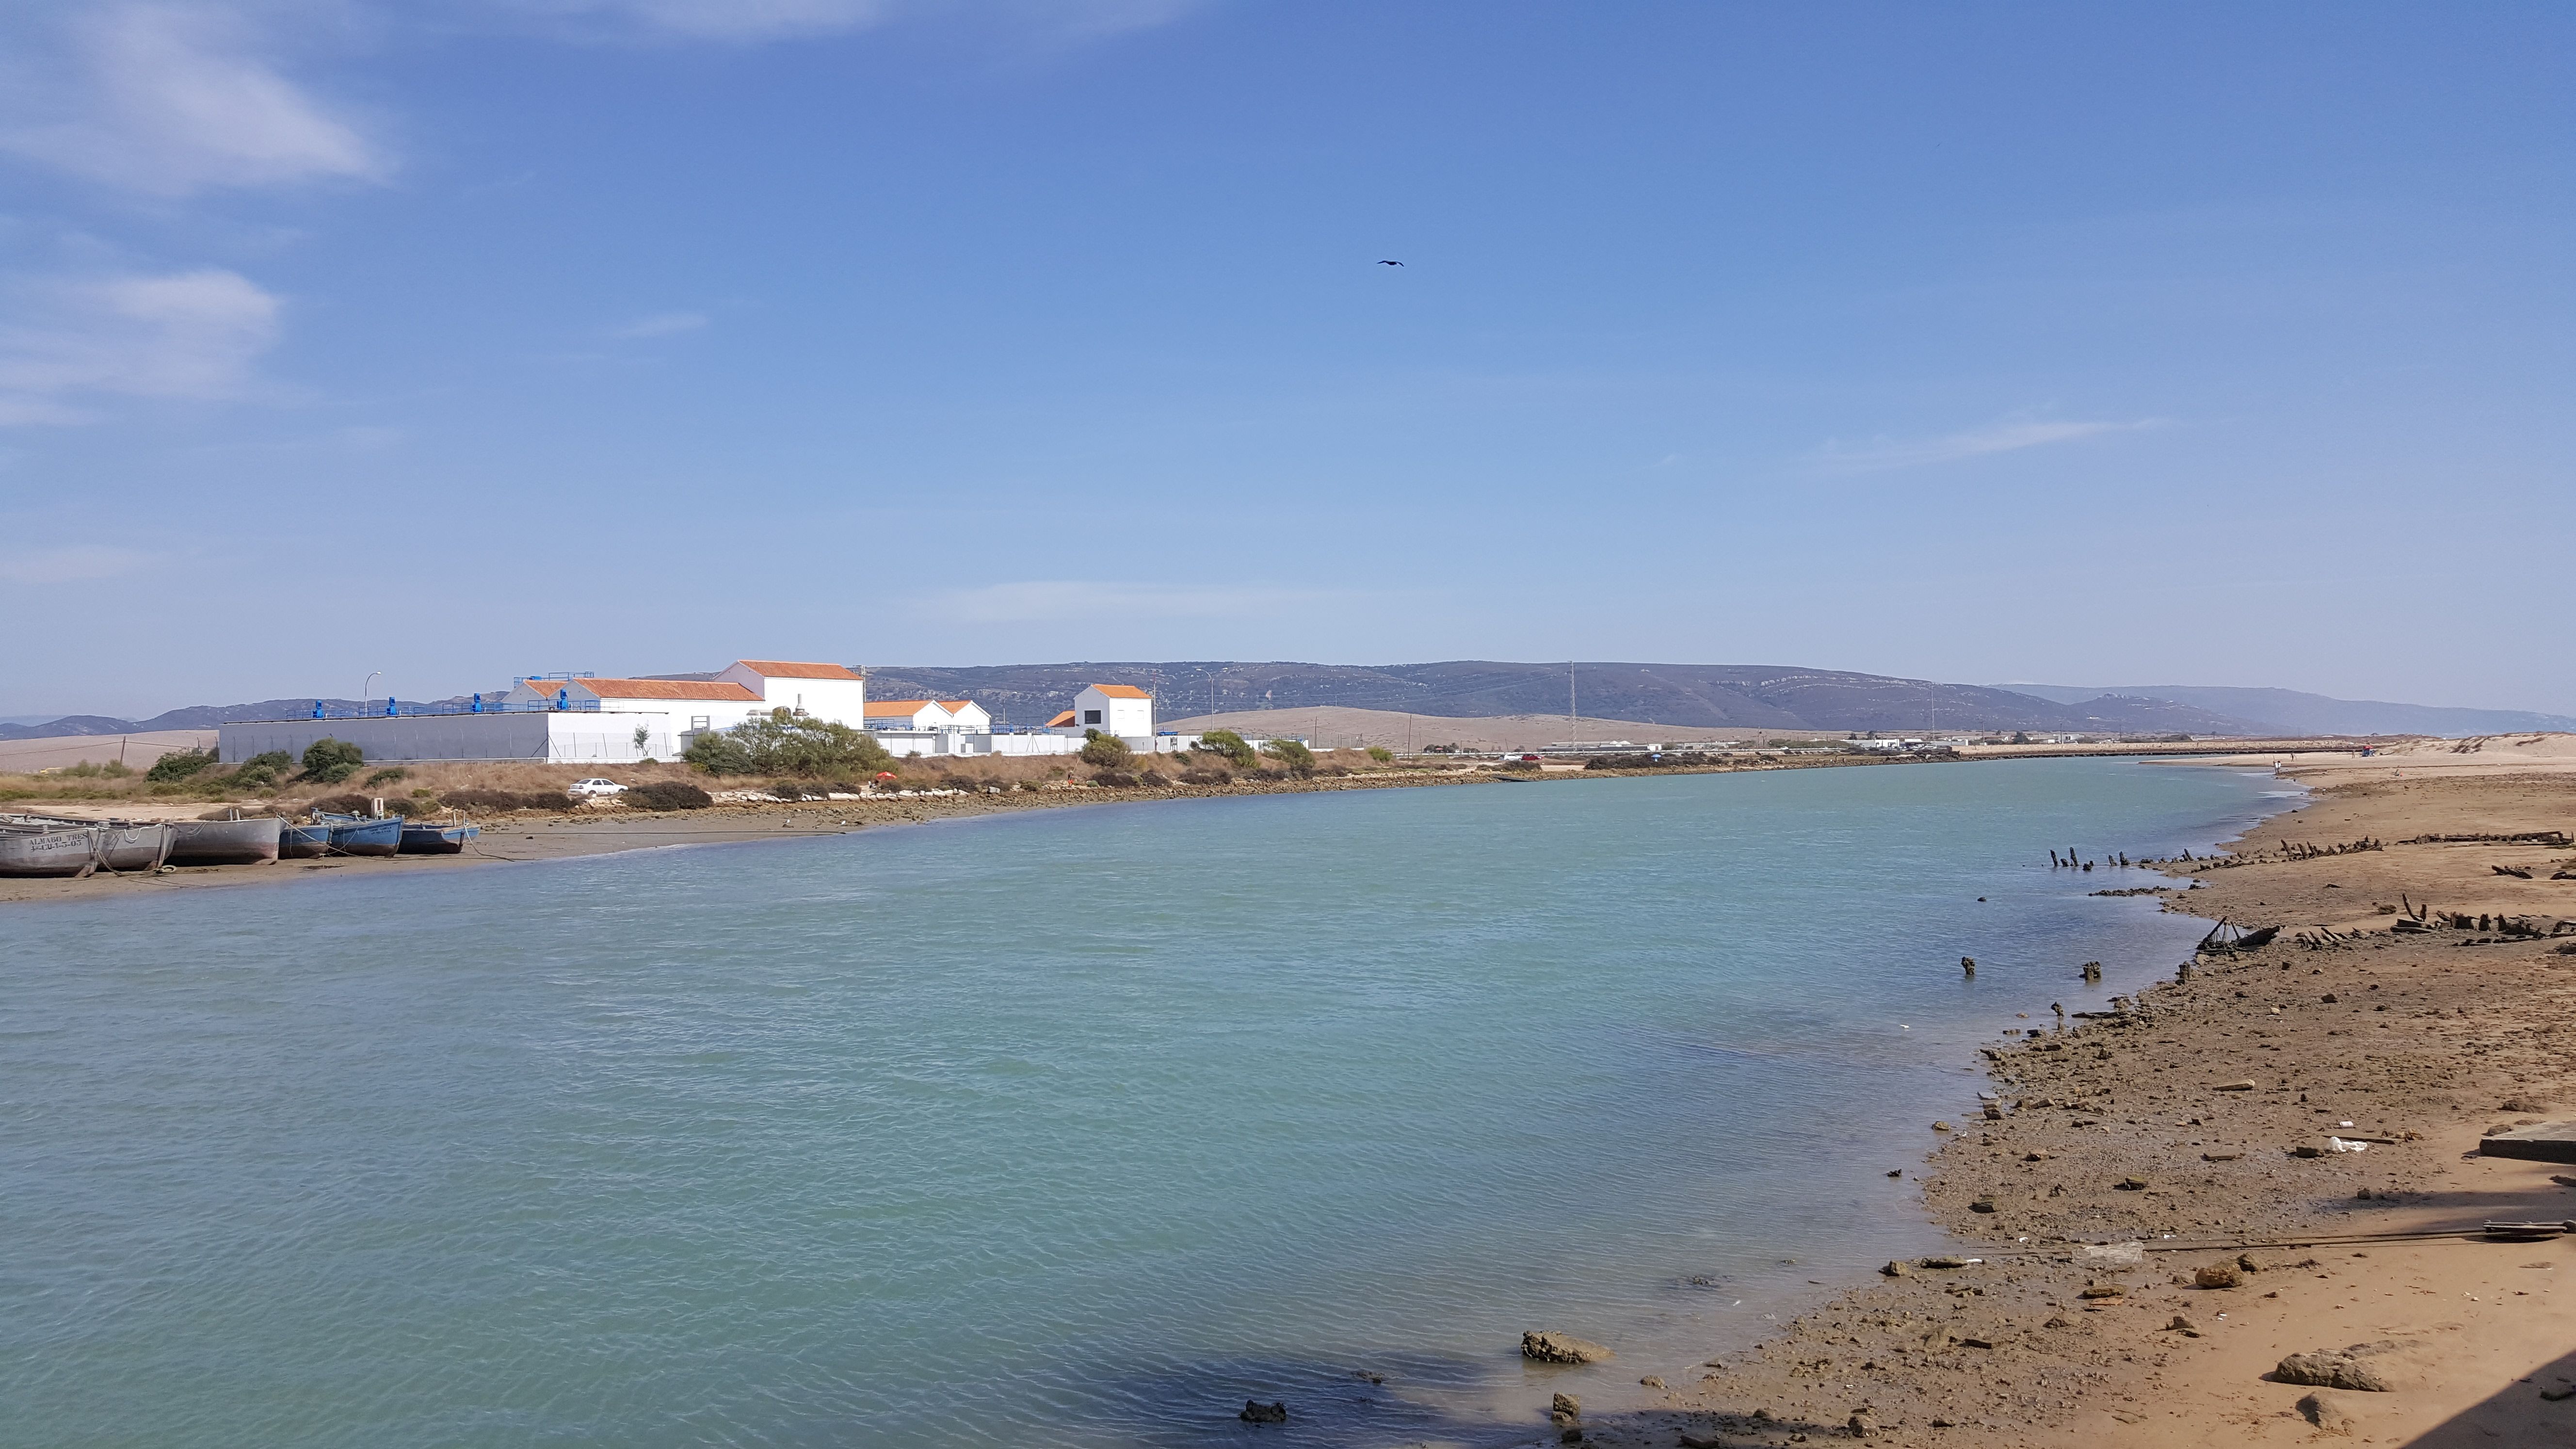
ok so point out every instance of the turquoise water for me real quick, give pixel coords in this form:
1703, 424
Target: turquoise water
1075, 1127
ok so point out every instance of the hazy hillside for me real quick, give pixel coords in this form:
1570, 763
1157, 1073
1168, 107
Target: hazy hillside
2289, 711
1712, 696
1695, 695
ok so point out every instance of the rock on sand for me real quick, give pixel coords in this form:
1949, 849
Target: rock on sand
2327, 1369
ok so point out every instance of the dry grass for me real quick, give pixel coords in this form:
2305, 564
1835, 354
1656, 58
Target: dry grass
441, 778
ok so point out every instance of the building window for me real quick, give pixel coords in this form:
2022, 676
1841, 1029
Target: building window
700, 721
1091, 716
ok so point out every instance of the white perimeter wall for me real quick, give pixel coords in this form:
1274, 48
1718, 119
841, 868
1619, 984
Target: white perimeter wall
569, 737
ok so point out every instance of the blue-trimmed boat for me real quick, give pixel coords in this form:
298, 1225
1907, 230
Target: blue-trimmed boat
303, 842
432, 837
362, 835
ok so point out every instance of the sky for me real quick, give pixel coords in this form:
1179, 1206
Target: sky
453, 340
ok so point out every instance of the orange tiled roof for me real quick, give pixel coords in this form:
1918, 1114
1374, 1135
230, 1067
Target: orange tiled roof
784, 669
1060, 721
1122, 691
894, 708
954, 705
660, 689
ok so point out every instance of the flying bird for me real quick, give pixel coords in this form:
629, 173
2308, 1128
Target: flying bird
1390, 264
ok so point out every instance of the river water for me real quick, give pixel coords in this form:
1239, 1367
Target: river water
1075, 1127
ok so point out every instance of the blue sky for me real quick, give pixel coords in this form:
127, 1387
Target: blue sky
2212, 344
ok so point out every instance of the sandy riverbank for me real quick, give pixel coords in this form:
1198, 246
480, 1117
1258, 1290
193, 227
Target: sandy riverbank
2125, 1132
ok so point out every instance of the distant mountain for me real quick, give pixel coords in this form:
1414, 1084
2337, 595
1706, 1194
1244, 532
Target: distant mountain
194, 717
2287, 711
1704, 696
1719, 696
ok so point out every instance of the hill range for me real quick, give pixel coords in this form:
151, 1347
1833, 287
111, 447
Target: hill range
1698, 696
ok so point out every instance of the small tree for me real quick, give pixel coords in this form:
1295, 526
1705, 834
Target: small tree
1106, 751
643, 735
1295, 756
328, 761
178, 766
1230, 745
1380, 753
786, 743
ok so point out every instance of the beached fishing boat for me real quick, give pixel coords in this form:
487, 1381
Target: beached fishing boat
362, 835
430, 837
123, 845
237, 841
303, 842
31, 847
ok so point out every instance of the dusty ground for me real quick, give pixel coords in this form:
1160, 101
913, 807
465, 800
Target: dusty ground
135, 751
2417, 1041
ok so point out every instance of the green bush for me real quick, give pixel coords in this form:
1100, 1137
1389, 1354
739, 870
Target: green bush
328, 761
178, 766
1207, 777
388, 775
668, 795
1106, 751
1299, 759
1230, 745
253, 779
1380, 753
274, 761
1116, 779
785, 743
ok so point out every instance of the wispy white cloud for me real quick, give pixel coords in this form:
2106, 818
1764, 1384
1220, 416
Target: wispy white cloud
754, 21
189, 335
662, 324
75, 564
1039, 600
2004, 437
170, 100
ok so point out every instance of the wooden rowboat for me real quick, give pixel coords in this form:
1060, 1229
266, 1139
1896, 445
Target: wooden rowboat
361, 835
303, 842
123, 845
47, 849
429, 837
236, 841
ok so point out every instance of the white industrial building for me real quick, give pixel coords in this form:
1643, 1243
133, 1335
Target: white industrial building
592, 720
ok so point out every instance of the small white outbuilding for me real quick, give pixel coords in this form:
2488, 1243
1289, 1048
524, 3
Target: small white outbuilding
1113, 709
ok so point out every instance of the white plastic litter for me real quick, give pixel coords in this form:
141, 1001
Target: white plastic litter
2339, 1145
2116, 1252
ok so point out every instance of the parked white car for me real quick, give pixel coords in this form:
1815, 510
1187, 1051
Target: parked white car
594, 788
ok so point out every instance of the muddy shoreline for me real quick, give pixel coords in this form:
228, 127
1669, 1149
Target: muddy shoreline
2118, 1157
